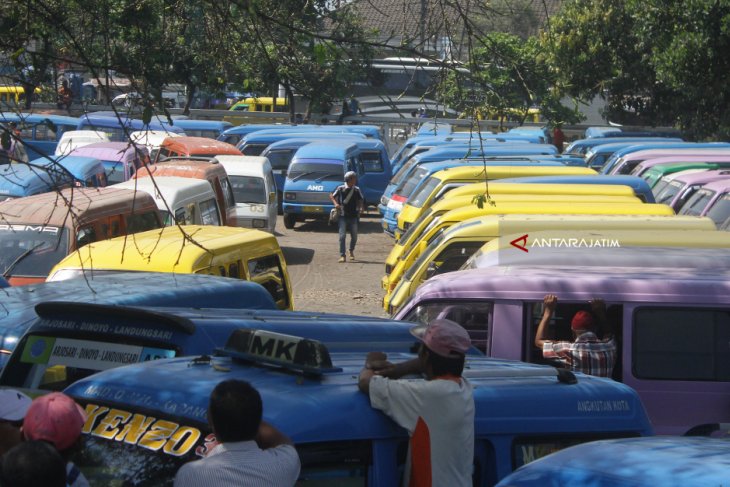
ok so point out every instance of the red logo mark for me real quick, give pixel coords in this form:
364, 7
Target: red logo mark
520, 243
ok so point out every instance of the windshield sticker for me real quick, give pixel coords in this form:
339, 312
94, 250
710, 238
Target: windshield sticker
141, 430
30, 228
135, 331
85, 354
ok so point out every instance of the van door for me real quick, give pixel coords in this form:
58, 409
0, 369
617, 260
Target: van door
373, 169
267, 271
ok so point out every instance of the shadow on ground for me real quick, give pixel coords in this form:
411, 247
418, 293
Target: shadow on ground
297, 255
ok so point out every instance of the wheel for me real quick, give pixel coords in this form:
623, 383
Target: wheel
289, 221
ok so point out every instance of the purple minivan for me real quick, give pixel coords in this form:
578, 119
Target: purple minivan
712, 200
121, 159
647, 164
681, 186
672, 327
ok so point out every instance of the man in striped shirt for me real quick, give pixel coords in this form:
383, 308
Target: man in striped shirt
250, 452
587, 353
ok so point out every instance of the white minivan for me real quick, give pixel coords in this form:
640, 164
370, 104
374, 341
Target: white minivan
73, 139
254, 191
185, 201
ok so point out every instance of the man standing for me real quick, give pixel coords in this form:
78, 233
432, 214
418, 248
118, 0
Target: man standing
250, 452
349, 201
437, 410
587, 353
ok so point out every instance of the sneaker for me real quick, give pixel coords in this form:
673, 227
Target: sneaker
342, 259
352, 256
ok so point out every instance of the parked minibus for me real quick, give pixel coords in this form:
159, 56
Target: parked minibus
596, 156
712, 201
640, 187
670, 325
648, 164
239, 253
124, 335
428, 185
395, 200
254, 191
120, 159
582, 147
183, 201
680, 187
194, 147
18, 180
318, 168
313, 399
118, 128
40, 133
13, 94
160, 289
208, 170
661, 460
260, 104
38, 231
655, 173
458, 234
150, 139
73, 139
256, 143
626, 163
697, 249
617, 157
87, 172
211, 129
234, 134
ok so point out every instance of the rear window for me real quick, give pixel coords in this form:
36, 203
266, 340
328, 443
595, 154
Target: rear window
372, 161
31, 250
248, 189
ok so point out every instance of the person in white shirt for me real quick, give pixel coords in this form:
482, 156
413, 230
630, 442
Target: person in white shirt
437, 410
250, 452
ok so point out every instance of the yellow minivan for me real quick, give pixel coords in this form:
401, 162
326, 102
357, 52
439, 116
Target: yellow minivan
240, 253
439, 224
452, 202
443, 181
595, 247
448, 249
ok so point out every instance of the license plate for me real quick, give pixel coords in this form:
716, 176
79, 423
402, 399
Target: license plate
312, 209
395, 205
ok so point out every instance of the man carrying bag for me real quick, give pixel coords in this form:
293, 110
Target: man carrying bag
348, 201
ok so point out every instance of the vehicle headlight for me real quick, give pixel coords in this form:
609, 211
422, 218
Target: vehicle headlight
290, 196
259, 223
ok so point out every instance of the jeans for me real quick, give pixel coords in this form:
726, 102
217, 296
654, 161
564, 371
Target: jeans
348, 222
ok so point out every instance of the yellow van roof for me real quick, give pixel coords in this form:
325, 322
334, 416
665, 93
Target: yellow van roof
499, 187
503, 172
166, 249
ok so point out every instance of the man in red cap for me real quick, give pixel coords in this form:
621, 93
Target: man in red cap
58, 420
438, 412
587, 353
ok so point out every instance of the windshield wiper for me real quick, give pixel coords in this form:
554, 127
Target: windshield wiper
328, 175
300, 176
19, 258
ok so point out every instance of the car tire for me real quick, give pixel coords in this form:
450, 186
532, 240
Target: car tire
289, 221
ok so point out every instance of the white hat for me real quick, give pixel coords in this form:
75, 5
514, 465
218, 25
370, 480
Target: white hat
13, 405
349, 175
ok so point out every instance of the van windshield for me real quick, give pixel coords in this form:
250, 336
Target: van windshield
422, 194
280, 159
316, 171
114, 171
253, 149
720, 211
406, 187
248, 189
31, 250
667, 194
697, 203
402, 172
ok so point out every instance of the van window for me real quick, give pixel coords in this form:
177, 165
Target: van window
141, 222
280, 159
420, 195
179, 217
681, 344
371, 161
453, 257
42, 132
248, 189
474, 316
254, 149
85, 235
697, 203
342, 463
230, 201
191, 214
267, 271
720, 210
209, 212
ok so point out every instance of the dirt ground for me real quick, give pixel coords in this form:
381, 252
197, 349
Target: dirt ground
320, 283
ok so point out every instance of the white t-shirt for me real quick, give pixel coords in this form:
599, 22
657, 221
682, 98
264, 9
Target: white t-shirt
439, 416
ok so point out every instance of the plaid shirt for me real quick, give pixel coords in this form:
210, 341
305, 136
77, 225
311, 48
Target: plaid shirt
587, 354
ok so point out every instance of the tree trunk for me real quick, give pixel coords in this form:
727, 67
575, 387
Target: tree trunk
189, 95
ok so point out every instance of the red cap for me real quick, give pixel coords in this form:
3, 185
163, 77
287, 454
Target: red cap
443, 337
582, 320
54, 418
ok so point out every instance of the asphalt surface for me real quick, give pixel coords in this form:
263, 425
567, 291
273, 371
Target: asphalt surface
320, 283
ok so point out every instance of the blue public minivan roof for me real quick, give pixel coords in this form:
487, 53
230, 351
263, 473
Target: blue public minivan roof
130, 288
18, 180
89, 121
333, 149
661, 460
35, 118
80, 167
271, 136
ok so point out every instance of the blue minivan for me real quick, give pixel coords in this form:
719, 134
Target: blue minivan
118, 128
319, 167
18, 180
256, 143
147, 419
87, 172
40, 133
211, 129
